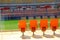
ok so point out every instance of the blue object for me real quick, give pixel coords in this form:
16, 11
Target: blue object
41, 17
27, 17
34, 17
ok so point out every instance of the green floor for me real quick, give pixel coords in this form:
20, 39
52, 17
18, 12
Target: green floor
13, 24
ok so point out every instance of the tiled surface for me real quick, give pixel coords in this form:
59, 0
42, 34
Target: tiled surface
17, 35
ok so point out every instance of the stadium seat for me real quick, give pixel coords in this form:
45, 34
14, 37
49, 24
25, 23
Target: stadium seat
29, 12
6, 10
5, 18
28, 6
58, 7
22, 26
41, 16
28, 1
54, 22
19, 7
39, 1
54, 25
38, 6
0, 1
55, 16
52, 11
34, 17
19, 1
50, 0
25, 1
41, 11
43, 25
48, 6
27, 17
33, 25
48, 16
6, 1
0, 10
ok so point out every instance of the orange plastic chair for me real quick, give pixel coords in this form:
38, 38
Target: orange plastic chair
54, 25
43, 25
33, 25
22, 25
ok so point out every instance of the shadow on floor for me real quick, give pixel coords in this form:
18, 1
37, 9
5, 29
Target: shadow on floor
48, 36
37, 36
25, 37
57, 35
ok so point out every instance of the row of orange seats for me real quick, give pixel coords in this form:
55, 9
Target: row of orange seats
25, 1
43, 25
16, 1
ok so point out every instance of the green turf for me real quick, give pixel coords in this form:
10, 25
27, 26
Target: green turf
13, 24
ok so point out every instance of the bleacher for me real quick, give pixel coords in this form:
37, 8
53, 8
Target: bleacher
30, 10
30, 13
6, 1
42, 1
52, 10
18, 1
41, 11
26, 1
